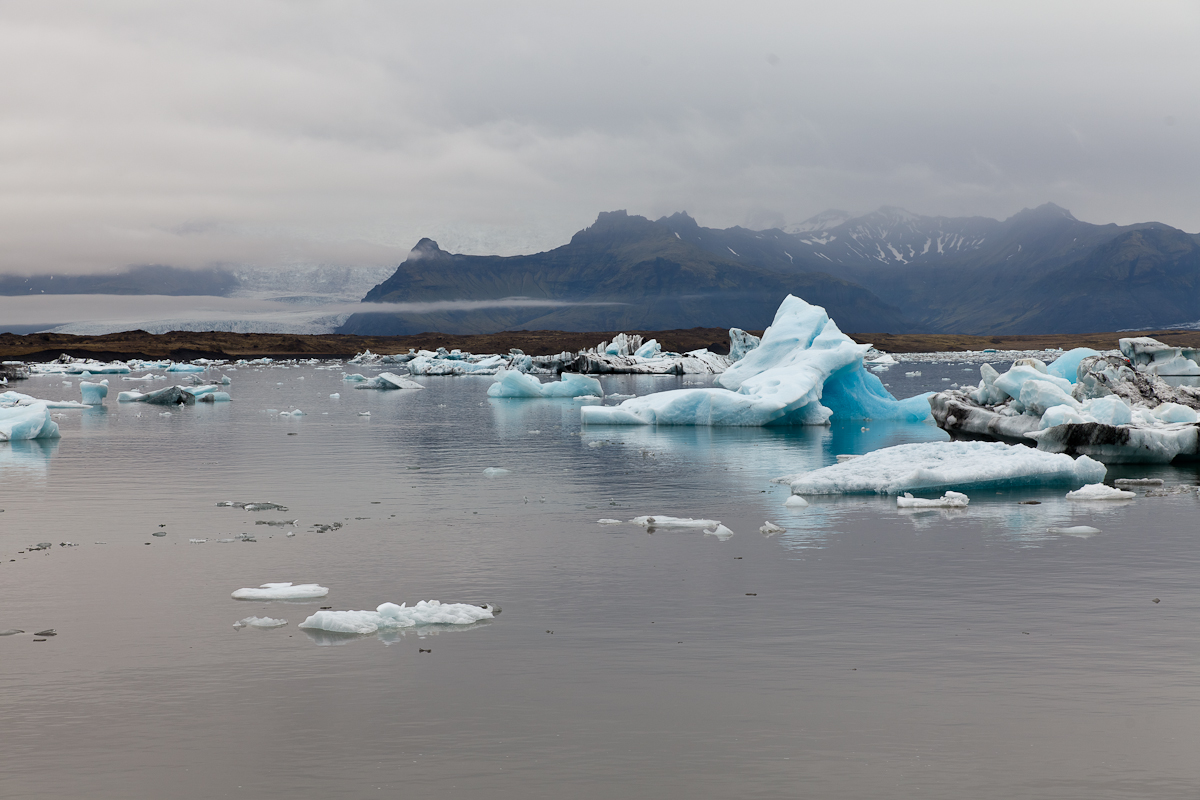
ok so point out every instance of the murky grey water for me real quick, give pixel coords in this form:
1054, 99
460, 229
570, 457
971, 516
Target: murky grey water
863, 653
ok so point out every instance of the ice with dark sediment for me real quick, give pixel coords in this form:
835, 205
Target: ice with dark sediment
804, 372
1114, 407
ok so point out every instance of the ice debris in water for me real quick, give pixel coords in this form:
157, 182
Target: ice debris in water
1098, 491
1138, 482
805, 371
796, 501
495, 472
659, 521
720, 531
260, 622
282, 591
940, 466
390, 616
197, 541
514, 384
253, 506
770, 528
388, 381
335, 396
948, 500
609, 521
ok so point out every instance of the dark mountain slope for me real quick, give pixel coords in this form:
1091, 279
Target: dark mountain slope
622, 272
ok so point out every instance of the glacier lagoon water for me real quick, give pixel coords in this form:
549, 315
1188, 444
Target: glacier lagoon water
864, 652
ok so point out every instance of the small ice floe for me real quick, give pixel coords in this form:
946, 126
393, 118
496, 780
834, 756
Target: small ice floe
364, 413
608, 521
197, 541
795, 501
916, 374
335, 396
1098, 491
596, 444
295, 412
390, 616
495, 472
93, 394
354, 378
659, 521
260, 622
278, 523
948, 500
225, 541
516, 384
253, 506
282, 591
1138, 482
1078, 531
720, 531
770, 529
938, 466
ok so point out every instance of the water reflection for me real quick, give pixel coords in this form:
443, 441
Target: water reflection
388, 637
26, 459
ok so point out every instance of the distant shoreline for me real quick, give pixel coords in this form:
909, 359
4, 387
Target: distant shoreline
187, 345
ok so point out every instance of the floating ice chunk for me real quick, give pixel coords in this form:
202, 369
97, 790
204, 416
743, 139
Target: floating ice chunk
659, 521
796, 501
355, 378
511, 383
93, 393
225, 380
844, 457
260, 622
1078, 531
390, 616
1138, 482
33, 421
609, 521
940, 466
388, 381
914, 374
948, 500
184, 368
364, 413
1098, 491
721, 532
335, 396
495, 472
197, 541
770, 529
282, 591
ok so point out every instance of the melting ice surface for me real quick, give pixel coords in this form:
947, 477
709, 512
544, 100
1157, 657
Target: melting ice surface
804, 372
390, 616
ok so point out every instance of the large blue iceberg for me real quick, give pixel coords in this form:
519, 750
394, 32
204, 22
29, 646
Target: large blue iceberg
805, 372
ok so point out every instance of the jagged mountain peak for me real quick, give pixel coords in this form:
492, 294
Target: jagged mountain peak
1044, 212
426, 248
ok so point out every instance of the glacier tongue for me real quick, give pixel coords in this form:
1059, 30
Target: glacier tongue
804, 371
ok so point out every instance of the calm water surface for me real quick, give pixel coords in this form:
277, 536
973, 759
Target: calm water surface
862, 653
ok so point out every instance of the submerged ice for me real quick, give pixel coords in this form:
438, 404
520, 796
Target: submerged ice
804, 371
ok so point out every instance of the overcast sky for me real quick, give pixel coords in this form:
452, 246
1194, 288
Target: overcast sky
306, 132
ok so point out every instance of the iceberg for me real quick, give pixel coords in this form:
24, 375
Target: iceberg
795, 501
941, 466
948, 500
390, 616
388, 380
11, 398
93, 393
720, 531
166, 396
1118, 409
18, 423
1098, 491
514, 384
184, 368
804, 372
282, 591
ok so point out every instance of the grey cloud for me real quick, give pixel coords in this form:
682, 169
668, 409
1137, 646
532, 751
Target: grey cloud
281, 134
